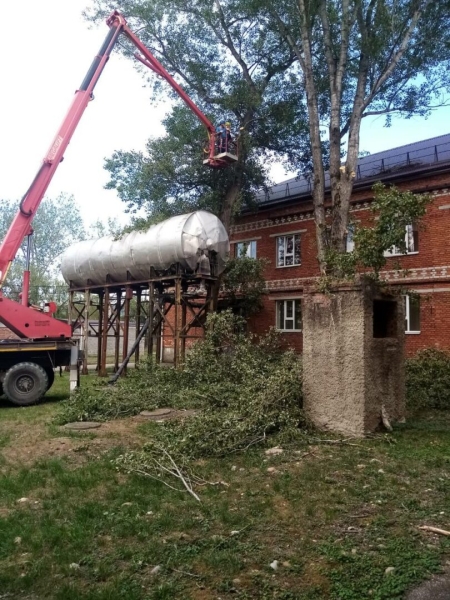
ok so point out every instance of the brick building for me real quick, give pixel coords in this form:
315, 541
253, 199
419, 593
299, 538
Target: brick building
281, 229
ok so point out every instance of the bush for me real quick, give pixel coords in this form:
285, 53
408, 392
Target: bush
428, 380
243, 284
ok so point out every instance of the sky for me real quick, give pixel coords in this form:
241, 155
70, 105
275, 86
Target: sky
46, 47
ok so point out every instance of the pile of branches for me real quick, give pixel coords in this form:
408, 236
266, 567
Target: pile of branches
146, 387
246, 389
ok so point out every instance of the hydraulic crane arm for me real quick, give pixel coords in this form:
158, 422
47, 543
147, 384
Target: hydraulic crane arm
147, 58
23, 320
21, 225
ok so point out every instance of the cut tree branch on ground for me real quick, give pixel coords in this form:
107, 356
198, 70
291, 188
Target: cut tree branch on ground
346, 442
434, 530
163, 466
186, 573
177, 473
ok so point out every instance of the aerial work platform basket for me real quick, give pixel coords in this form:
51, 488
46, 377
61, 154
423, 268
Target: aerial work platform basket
221, 151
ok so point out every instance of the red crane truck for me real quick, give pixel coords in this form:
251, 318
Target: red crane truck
27, 363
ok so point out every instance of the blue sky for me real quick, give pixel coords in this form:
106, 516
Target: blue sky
46, 48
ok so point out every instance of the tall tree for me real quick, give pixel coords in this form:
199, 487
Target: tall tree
234, 69
57, 225
359, 58
276, 67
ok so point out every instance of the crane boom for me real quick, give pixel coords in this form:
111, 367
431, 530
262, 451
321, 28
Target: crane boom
21, 225
21, 319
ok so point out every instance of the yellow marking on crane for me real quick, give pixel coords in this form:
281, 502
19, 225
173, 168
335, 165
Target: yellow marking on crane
25, 349
3, 277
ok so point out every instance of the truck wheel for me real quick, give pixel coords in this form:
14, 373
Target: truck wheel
25, 383
51, 377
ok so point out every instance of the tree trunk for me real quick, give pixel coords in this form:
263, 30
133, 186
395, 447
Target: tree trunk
229, 203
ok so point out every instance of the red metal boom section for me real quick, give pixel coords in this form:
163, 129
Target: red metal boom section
147, 59
21, 319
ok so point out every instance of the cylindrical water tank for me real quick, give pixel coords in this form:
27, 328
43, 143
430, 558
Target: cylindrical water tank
182, 239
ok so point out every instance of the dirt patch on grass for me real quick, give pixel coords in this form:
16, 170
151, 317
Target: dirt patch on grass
30, 443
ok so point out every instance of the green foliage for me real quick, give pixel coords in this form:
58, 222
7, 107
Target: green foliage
283, 72
170, 178
245, 388
243, 284
428, 380
394, 210
376, 31
100, 228
233, 67
145, 388
358, 59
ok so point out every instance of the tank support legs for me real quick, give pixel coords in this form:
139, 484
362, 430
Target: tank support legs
176, 307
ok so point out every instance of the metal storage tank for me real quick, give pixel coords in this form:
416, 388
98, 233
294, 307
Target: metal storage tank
182, 239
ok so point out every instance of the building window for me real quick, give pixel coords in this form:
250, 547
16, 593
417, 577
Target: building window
247, 249
289, 315
411, 242
349, 242
288, 250
412, 314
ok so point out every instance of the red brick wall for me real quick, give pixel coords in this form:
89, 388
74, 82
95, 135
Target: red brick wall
428, 270
266, 318
195, 334
434, 319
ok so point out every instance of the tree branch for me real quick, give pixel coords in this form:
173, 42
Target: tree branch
229, 44
328, 45
396, 57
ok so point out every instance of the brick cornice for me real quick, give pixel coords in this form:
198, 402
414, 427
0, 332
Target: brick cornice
298, 217
295, 218
395, 277
417, 274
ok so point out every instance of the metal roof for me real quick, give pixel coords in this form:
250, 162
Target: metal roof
374, 166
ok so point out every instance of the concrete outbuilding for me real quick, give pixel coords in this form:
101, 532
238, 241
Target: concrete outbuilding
353, 358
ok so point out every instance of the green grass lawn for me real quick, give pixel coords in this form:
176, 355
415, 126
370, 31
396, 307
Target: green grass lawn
334, 516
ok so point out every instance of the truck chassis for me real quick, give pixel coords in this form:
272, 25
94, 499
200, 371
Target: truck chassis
27, 367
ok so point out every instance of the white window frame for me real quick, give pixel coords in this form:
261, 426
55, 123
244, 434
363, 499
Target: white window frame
248, 245
282, 326
409, 241
286, 254
349, 241
408, 330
